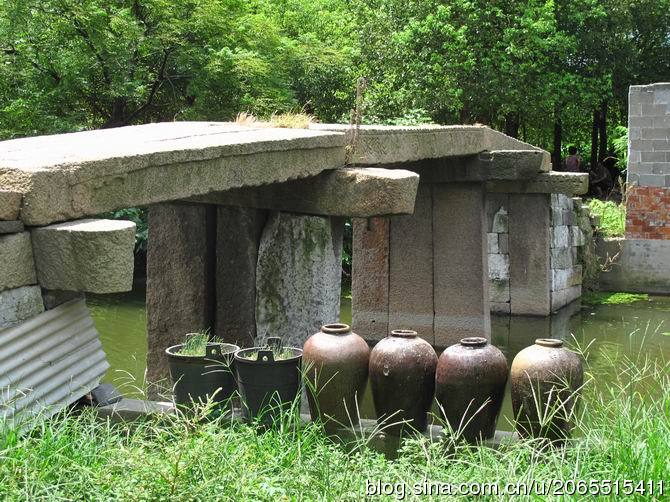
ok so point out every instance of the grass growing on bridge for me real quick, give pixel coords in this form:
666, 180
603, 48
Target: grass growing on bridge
625, 435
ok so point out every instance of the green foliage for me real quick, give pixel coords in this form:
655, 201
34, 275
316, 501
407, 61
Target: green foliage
139, 217
612, 216
620, 145
612, 298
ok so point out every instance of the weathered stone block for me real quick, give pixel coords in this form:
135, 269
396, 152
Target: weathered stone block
499, 291
563, 297
566, 278
180, 279
494, 201
11, 227
560, 236
492, 241
238, 236
499, 266
576, 236
500, 221
530, 266
298, 277
10, 204
17, 267
370, 277
546, 183
20, 304
411, 267
461, 283
94, 256
503, 243
500, 308
562, 258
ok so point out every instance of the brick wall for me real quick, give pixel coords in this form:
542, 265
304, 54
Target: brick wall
648, 202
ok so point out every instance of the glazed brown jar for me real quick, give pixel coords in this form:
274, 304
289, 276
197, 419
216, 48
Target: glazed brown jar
545, 380
470, 386
402, 378
335, 361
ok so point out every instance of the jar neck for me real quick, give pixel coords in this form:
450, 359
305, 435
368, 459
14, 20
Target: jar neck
336, 329
474, 342
549, 342
404, 333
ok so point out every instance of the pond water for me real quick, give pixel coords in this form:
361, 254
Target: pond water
629, 329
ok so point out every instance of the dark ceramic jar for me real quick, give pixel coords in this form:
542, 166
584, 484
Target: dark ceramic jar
335, 361
402, 378
545, 379
470, 385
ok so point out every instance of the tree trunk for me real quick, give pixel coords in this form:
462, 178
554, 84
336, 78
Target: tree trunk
594, 138
558, 141
512, 124
603, 130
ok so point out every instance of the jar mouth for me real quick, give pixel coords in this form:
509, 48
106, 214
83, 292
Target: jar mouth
549, 342
474, 341
404, 333
335, 328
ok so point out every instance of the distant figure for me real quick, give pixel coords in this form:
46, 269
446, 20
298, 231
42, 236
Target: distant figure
572, 162
600, 181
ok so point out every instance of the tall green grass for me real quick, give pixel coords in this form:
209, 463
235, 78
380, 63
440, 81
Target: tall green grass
623, 433
612, 216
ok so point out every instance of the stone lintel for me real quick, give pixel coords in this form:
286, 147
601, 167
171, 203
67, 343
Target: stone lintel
93, 256
505, 165
551, 182
354, 192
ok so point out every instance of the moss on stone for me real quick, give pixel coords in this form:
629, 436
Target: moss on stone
612, 298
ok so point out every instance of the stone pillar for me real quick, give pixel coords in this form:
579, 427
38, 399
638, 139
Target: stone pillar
370, 277
530, 235
411, 268
461, 283
298, 276
237, 239
180, 278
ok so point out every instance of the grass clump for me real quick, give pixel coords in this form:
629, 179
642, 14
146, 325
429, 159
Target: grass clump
623, 433
612, 298
612, 217
195, 344
278, 120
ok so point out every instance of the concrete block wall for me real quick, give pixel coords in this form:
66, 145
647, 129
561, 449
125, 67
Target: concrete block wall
648, 201
567, 238
498, 252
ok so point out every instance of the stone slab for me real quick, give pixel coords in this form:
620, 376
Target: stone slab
529, 254
492, 243
94, 256
563, 297
353, 192
69, 176
17, 267
551, 182
566, 278
11, 227
20, 304
54, 298
411, 268
494, 201
370, 277
499, 291
180, 280
298, 277
564, 257
238, 236
500, 308
499, 266
10, 204
374, 144
461, 282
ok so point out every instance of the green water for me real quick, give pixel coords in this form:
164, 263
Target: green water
640, 327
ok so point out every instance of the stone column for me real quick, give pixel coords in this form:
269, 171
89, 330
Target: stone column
237, 239
370, 277
461, 282
411, 268
298, 276
180, 279
529, 253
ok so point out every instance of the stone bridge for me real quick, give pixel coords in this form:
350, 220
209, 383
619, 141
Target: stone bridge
245, 227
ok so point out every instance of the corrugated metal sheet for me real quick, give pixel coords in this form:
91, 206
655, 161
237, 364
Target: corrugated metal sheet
49, 361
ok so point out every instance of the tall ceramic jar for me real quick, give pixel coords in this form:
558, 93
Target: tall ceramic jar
402, 378
470, 385
335, 361
545, 380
